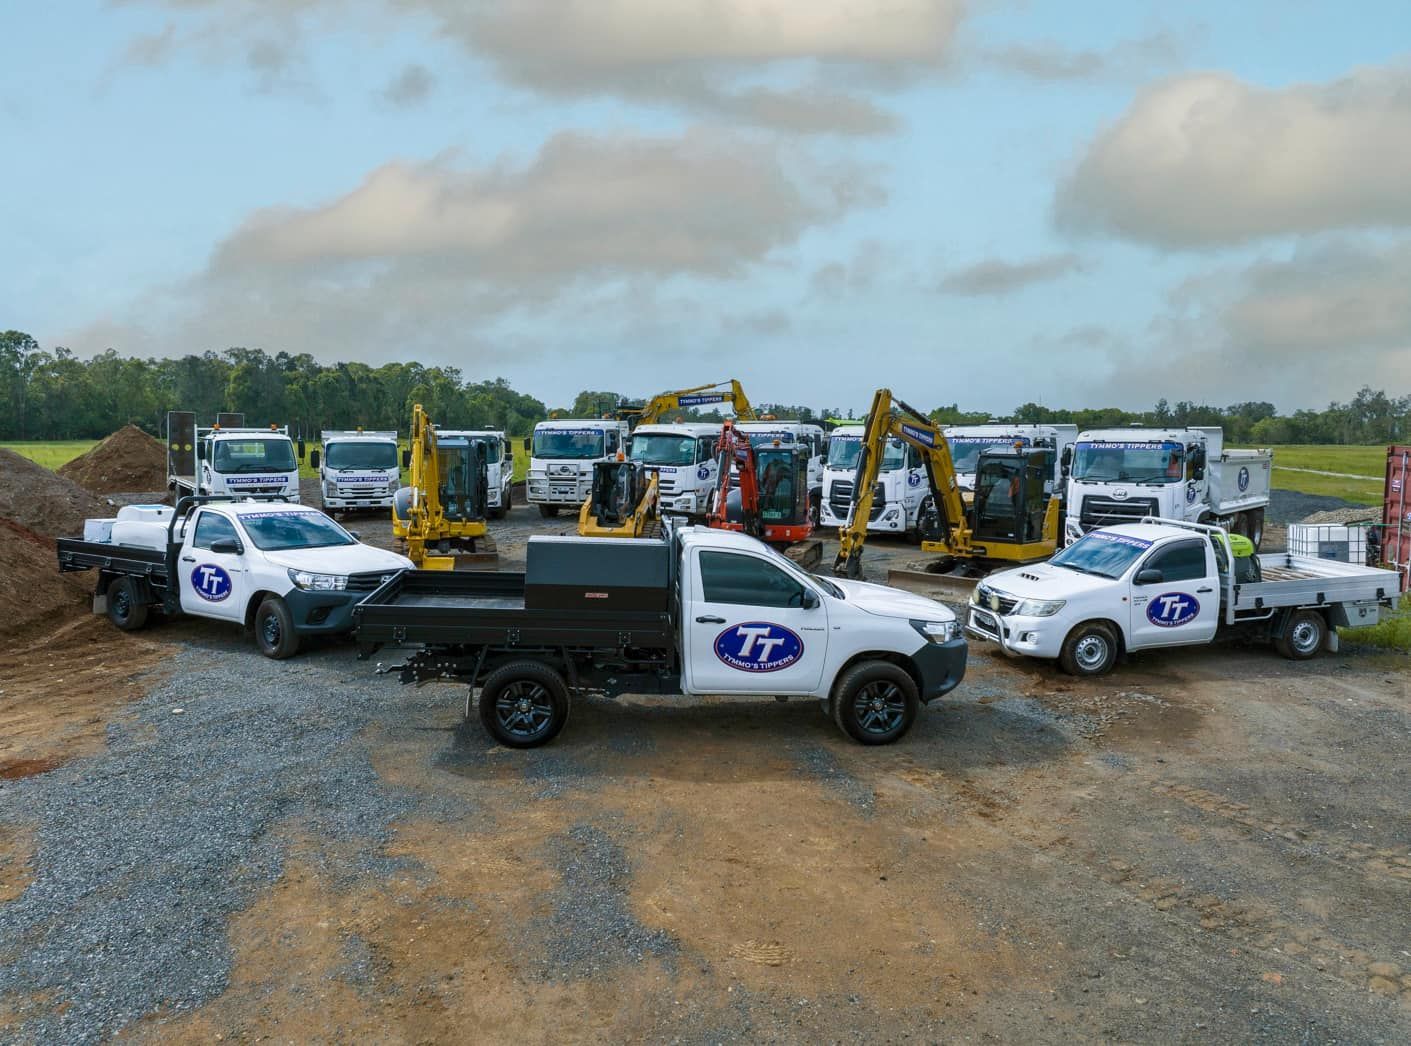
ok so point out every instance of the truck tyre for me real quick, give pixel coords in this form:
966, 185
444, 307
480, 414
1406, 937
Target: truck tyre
1304, 635
524, 704
1255, 531
875, 702
126, 607
548, 511
274, 629
1090, 650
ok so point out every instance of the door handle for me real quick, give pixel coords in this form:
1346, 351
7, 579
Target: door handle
1207, 589
710, 619
188, 559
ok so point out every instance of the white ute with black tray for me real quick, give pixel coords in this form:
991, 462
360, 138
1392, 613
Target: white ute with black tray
1168, 583
697, 612
282, 570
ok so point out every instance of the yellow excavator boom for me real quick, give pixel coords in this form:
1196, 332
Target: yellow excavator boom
730, 392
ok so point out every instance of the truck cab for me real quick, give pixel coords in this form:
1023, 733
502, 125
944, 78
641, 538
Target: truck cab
562, 453
683, 457
499, 465
357, 469
901, 483
967, 441
1121, 475
239, 461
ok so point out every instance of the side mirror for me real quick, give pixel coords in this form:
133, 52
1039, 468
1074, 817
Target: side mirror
356, 535
1065, 461
301, 451
528, 444
1198, 473
227, 547
810, 599
314, 459
1150, 576
406, 459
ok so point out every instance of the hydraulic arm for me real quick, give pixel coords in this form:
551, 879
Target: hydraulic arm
658, 407
1008, 521
768, 497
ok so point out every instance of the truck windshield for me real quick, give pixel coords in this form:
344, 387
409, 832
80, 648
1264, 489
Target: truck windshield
843, 452
360, 456
965, 450
282, 529
494, 448
253, 455
568, 443
1129, 462
662, 448
1106, 555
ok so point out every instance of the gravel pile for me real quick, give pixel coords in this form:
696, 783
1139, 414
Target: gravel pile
1344, 516
146, 850
127, 460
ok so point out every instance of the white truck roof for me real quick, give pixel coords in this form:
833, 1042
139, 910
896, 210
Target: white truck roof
1212, 435
679, 428
356, 435
500, 433
597, 424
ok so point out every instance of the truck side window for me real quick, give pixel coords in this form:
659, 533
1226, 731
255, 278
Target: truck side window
727, 577
212, 527
1183, 561
705, 449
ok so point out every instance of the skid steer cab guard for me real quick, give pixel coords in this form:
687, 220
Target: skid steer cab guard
622, 502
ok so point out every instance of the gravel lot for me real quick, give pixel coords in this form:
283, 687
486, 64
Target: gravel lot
1201, 847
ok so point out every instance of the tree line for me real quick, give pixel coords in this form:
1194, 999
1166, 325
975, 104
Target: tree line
48, 394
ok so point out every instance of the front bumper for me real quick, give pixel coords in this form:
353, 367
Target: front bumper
558, 493
942, 667
892, 519
356, 501
1029, 636
686, 504
322, 613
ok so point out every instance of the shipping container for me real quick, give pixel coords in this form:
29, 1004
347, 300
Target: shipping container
1396, 514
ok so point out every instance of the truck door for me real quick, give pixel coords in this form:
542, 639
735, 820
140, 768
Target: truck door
1175, 596
915, 488
213, 584
751, 627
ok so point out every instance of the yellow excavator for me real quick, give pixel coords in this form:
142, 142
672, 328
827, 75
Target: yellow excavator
684, 399
623, 502
442, 510
1010, 520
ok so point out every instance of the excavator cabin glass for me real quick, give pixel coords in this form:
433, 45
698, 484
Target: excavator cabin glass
464, 486
783, 485
1009, 496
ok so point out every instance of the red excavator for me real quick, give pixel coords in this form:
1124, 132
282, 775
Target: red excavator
763, 492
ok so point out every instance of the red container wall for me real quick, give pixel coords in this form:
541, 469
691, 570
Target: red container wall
1396, 513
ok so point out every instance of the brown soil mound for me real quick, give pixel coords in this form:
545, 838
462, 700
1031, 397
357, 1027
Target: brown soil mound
127, 461
31, 588
36, 498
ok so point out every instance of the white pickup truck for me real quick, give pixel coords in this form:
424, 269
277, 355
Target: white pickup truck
282, 570
698, 612
1165, 583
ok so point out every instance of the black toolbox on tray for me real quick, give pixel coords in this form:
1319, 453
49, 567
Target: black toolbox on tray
573, 573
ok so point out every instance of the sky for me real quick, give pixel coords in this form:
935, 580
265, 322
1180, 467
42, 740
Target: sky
987, 202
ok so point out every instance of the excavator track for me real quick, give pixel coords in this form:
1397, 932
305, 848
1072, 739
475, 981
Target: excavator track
652, 528
807, 554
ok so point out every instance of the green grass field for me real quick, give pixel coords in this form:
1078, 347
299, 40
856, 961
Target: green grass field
1354, 460
54, 455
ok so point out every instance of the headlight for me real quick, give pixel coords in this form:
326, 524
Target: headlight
937, 631
394, 486
1038, 607
311, 582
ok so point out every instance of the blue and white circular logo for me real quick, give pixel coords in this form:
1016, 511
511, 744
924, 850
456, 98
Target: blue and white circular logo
1191, 493
703, 472
913, 479
1172, 609
210, 582
758, 646
1243, 480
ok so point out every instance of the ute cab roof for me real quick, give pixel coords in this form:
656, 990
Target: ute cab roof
1148, 533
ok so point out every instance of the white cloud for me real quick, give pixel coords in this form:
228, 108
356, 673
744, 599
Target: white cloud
1207, 159
997, 276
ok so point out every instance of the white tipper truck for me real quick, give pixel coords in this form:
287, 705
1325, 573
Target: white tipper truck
682, 454
279, 569
229, 458
1165, 583
791, 434
901, 482
967, 441
1123, 475
561, 457
499, 466
357, 469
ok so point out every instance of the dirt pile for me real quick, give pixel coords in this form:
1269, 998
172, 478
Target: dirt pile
31, 588
39, 500
127, 461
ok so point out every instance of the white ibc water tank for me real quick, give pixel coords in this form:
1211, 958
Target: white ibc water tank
1345, 544
142, 526
146, 513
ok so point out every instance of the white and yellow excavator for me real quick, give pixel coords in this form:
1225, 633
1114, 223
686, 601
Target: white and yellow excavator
442, 510
1010, 520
